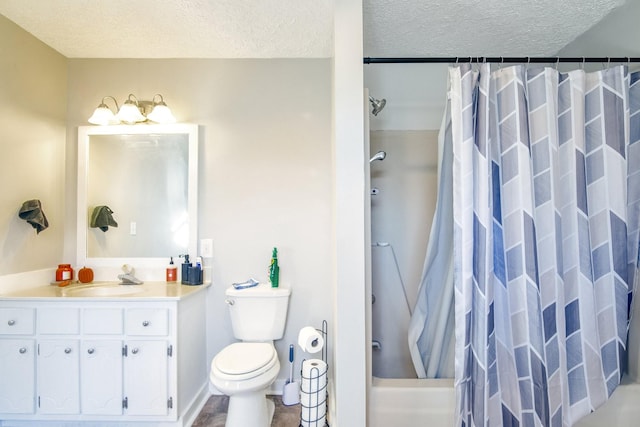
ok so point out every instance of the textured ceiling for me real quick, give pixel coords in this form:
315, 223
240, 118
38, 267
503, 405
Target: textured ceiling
178, 28
302, 28
476, 27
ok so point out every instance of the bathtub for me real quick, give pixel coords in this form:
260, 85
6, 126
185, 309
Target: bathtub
431, 402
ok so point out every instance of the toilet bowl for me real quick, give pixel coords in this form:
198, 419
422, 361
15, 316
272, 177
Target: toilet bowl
244, 371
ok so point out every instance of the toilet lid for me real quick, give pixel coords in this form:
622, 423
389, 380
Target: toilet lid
244, 358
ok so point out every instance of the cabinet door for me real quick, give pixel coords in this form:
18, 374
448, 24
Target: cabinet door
17, 376
145, 378
58, 377
101, 377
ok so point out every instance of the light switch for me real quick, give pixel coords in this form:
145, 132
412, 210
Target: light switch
132, 228
206, 248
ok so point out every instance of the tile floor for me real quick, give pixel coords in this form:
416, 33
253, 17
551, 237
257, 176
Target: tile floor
214, 413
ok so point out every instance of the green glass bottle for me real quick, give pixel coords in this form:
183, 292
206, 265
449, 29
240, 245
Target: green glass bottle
274, 269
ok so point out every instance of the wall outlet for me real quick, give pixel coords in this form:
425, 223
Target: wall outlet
206, 248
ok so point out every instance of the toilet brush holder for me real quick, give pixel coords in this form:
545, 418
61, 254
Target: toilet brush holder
291, 390
291, 393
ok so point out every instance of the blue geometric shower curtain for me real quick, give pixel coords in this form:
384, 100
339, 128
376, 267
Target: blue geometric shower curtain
546, 181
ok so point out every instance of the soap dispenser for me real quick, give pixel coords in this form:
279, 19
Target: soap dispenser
172, 272
185, 270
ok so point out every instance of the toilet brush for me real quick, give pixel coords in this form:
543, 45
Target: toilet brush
291, 391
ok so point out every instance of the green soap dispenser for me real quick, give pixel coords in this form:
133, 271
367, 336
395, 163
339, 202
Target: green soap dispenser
274, 269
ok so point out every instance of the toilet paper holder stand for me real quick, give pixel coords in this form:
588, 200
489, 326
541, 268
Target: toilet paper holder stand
311, 414
323, 331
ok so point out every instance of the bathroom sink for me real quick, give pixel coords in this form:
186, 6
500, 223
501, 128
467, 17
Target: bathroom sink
106, 290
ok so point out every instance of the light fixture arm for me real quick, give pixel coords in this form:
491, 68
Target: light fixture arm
161, 102
134, 101
104, 105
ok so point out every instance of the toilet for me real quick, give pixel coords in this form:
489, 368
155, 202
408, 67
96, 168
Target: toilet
245, 370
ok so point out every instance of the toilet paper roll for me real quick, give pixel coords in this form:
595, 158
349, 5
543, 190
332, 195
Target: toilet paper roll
310, 401
310, 340
316, 396
314, 375
313, 393
311, 420
320, 422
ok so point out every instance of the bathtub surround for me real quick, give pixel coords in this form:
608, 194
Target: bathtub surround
545, 239
401, 215
401, 402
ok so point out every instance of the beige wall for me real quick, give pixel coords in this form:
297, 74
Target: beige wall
33, 96
265, 168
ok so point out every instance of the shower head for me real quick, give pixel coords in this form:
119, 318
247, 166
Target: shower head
380, 155
377, 104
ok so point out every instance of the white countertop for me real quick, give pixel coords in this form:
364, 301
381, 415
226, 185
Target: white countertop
107, 291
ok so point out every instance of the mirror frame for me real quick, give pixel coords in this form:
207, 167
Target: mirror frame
84, 136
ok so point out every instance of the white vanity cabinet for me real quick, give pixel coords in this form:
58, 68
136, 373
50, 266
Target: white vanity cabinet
108, 360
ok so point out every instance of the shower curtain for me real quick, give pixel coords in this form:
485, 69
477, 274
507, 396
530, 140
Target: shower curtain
534, 247
546, 190
431, 327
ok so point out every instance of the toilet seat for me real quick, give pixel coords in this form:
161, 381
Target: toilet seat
244, 360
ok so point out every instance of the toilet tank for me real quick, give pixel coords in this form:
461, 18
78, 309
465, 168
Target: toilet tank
258, 313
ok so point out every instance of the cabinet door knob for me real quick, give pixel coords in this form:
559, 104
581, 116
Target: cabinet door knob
229, 301
22, 350
90, 350
145, 323
134, 351
11, 322
67, 350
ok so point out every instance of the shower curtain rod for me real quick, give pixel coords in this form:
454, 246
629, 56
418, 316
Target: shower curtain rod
499, 59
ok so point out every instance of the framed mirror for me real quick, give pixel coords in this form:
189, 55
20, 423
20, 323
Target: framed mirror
137, 194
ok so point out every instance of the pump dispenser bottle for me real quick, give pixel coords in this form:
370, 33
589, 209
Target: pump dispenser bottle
172, 272
184, 278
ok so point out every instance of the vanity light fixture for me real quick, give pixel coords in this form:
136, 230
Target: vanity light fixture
103, 114
133, 111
